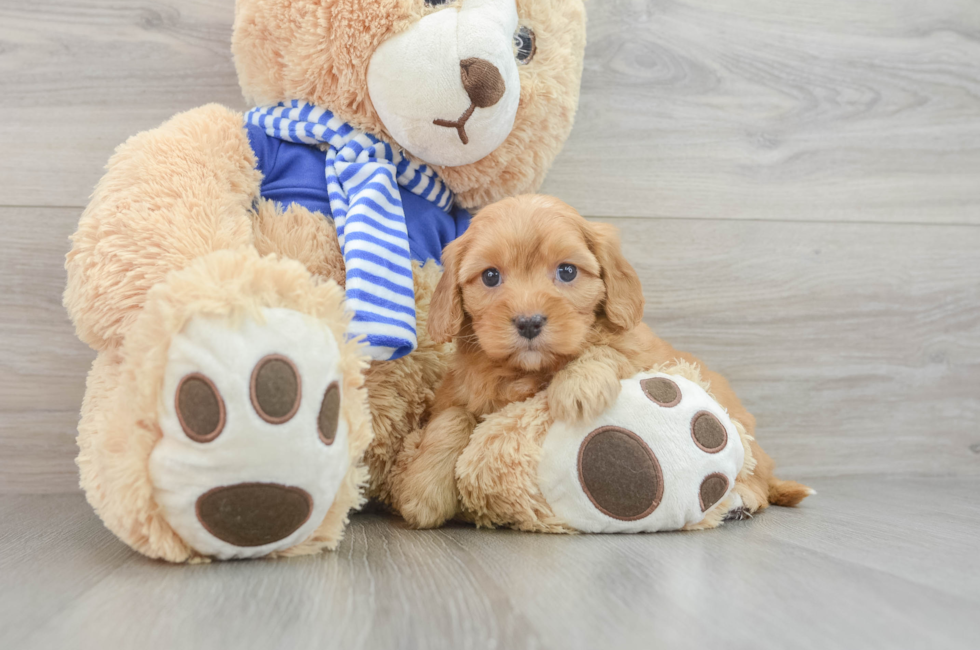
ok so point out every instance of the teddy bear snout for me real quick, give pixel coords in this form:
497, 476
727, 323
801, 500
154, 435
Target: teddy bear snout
448, 88
483, 82
254, 514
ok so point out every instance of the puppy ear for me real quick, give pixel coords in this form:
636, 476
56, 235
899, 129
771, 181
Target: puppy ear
446, 306
624, 295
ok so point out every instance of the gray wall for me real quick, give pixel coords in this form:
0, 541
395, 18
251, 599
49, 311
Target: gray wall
798, 183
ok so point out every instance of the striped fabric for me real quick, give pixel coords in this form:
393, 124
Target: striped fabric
364, 175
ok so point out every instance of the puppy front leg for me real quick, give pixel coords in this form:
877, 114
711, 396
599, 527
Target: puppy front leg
589, 385
424, 482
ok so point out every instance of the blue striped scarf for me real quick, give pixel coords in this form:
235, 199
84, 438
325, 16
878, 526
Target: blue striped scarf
363, 179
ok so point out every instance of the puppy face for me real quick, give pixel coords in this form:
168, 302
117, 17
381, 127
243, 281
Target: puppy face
531, 276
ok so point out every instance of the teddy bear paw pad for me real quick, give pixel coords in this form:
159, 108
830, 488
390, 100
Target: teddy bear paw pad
253, 448
658, 459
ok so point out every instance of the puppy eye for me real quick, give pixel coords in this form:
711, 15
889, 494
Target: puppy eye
436, 3
524, 43
567, 272
491, 277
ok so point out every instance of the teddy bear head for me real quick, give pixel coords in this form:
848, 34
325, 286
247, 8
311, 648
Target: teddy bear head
483, 90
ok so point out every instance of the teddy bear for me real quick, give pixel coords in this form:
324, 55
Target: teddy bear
257, 285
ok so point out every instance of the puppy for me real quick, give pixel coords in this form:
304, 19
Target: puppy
537, 298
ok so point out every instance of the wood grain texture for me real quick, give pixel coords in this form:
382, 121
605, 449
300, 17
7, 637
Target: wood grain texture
805, 110
43, 365
79, 77
870, 562
857, 346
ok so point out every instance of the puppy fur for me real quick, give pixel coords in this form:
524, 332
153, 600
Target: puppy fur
592, 337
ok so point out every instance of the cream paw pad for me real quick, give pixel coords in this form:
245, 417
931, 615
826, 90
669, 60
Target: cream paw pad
658, 459
254, 446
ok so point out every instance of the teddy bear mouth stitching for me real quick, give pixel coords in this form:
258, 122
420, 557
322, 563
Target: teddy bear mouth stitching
484, 86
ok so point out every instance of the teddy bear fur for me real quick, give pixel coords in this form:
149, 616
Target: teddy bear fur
177, 229
497, 472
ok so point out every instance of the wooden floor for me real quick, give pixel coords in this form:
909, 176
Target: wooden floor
869, 564
798, 184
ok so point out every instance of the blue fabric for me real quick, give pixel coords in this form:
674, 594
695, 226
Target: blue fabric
293, 173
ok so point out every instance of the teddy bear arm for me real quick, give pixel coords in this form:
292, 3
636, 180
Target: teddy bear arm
169, 196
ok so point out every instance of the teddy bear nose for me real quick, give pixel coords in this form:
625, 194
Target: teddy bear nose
254, 514
482, 81
530, 326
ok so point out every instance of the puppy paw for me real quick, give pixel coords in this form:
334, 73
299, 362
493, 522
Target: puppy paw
661, 458
424, 492
254, 444
581, 393
428, 508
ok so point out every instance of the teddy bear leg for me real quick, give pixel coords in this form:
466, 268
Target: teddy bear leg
401, 391
664, 456
497, 473
757, 486
238, 421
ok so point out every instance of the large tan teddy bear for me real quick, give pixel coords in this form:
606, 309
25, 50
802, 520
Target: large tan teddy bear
257, 285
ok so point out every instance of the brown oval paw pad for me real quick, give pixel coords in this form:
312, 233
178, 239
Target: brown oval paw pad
329, 414
254, 514
275, 389
200, 409
620, 474
661, 391
708, 432
713, 488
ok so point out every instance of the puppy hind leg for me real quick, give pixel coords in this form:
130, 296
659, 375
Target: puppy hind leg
424, 478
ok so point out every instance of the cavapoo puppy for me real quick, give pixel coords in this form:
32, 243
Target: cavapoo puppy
536, 298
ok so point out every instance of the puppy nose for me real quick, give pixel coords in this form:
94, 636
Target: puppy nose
530, 326
254, 514
482, 82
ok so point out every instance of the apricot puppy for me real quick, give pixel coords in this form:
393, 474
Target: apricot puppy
537, 298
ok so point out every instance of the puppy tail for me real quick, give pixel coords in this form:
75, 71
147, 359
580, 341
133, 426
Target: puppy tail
787, 493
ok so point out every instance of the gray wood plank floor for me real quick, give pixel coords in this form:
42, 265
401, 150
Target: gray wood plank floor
870, 563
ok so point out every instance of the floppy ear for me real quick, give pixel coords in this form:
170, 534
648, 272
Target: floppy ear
624, 295
446, 306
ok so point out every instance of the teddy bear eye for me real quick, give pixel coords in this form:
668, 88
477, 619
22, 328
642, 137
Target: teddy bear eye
525, 44
491, 277
567, 272
436, 3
